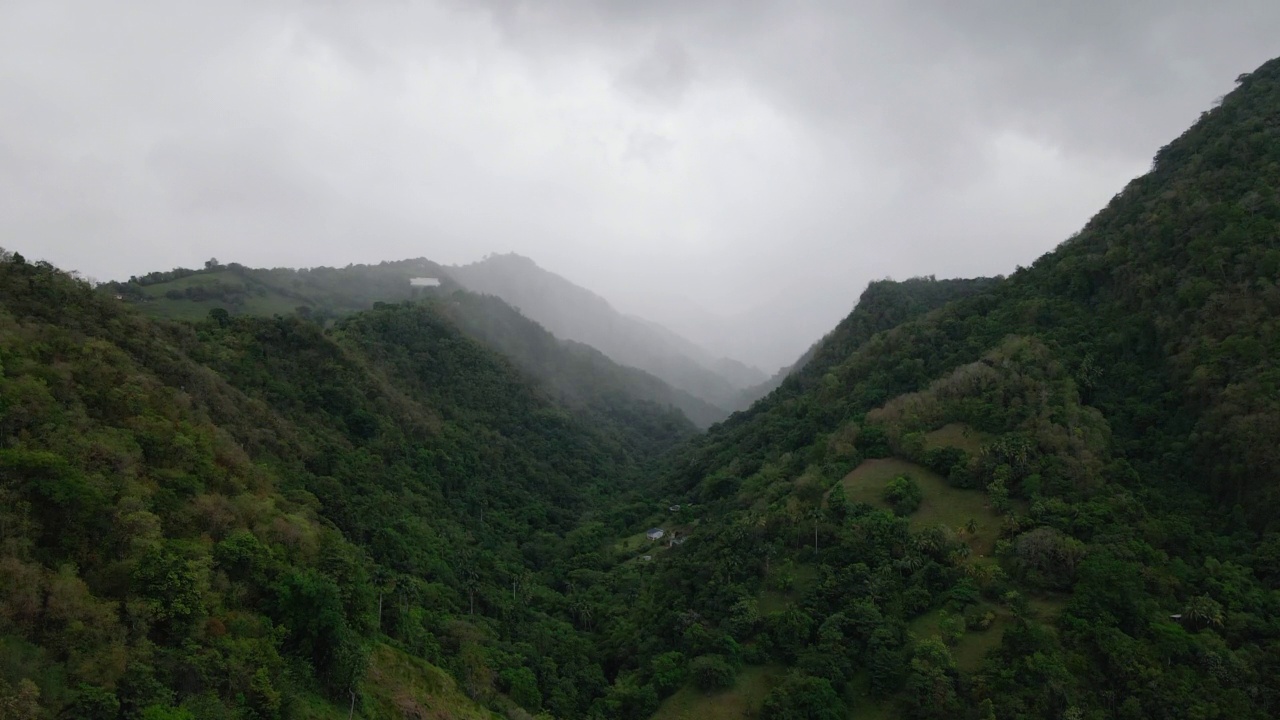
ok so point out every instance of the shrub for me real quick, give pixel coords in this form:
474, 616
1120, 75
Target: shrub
903, 495
712, 672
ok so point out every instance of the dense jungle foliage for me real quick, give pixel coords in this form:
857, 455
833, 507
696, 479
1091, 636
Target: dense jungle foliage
1051, 495
230, 516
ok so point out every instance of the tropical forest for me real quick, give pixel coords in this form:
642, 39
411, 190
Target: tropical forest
413, 490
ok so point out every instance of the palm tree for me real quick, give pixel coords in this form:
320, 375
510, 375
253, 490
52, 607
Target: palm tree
1203, 611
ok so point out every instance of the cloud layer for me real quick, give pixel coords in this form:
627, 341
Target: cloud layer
735, 169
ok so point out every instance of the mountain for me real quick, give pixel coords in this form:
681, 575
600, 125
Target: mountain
738, 373
568, 370
575, 313
322, 293
258, 517
1048, 495
884, 305
576, 373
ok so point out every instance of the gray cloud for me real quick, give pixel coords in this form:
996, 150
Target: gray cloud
736, 169
663, 74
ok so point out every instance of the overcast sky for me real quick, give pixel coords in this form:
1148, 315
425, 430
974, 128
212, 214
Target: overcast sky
687, 159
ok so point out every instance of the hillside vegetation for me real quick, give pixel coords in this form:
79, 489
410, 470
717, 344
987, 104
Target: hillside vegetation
1079, 458
256, 517
575, 313
578, 374
1048, 495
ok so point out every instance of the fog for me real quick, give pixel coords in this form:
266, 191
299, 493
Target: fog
737, 170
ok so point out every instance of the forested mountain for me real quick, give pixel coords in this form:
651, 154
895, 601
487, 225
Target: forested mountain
1054, 496
574, 313
1047, 495
255, 517
884, 305
583, 377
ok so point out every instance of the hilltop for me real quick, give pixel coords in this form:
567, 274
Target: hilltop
573, 312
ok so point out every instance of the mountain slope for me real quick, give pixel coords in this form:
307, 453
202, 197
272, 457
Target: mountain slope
577, 373
568, 370
255, 517
882, 306
575, 313
1053, 497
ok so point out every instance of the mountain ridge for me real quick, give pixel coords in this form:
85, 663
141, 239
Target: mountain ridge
573, 312
1052, 494
325, 294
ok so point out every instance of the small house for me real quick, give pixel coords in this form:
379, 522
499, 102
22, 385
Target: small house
424, 282
655, 533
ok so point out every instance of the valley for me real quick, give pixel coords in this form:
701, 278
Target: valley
247, 493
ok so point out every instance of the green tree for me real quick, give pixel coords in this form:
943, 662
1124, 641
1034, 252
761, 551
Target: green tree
93, 703
930, 690
669, 671
20, 703
803, 697
522, 687
712, 672
903, 494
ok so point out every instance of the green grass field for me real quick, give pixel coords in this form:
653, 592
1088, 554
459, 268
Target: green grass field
942, 504
268, 304
743, 700
974, 645
956, 435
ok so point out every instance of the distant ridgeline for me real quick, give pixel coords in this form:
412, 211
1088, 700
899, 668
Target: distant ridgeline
1051, 495
710, 387
322, 293
575, 313
568, 370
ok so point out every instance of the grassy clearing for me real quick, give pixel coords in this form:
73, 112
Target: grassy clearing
208, 278
773, 601
740, 701
1047, 607
942, 504
400, 686
265, 305
636, 543
864, 706
958, 435
974, 645
802, 578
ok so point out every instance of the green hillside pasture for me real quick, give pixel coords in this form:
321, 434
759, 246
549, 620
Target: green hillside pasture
401, 686
942, 505
957, 435
740, 701
268, 304
974, 645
